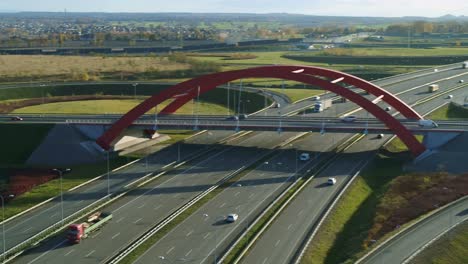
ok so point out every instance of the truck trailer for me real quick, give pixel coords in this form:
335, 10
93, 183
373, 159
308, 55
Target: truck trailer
465, 65
322, 105
433, 88
77, 232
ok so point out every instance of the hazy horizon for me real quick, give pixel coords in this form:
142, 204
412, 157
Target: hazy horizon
368, 8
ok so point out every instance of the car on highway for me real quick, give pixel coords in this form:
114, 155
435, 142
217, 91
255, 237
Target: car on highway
449, 96
315, 98
427, 123
388, 108
379, 136
461, 81
235, 118
243, 116
348, 119
304, 156
16, 118
331, 181
231, 218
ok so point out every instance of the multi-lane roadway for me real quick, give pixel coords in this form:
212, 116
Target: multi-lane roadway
50, 255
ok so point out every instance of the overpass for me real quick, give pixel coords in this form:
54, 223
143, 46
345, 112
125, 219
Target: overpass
253, 123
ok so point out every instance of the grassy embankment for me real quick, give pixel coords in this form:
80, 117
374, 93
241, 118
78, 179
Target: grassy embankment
18, 141
362, 212
113, 106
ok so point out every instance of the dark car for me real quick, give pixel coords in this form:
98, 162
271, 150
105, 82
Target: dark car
16, 118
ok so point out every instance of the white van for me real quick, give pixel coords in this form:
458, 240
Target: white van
427, 123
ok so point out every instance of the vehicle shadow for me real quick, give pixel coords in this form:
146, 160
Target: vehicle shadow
462, 213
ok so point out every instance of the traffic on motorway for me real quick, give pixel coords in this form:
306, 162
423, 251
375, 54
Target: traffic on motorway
209, 160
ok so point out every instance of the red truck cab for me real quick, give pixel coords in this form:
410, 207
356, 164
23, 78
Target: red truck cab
75, 233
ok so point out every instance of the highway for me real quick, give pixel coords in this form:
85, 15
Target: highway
176, 244
314, 200
206, 227
301, 123
404, 246
164, 157
140, 210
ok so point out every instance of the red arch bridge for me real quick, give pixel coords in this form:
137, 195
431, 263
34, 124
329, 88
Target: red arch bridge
330, 80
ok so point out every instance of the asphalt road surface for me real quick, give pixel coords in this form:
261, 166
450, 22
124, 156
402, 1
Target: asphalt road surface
31, 223
403, 246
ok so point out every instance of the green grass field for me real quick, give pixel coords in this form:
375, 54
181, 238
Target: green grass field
342, 236
79, 174
297, 94
111, 106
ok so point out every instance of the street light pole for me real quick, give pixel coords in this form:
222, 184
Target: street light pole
108, 174
60, 172
3, 226
134, 90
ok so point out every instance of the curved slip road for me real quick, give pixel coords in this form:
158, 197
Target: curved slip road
402, 247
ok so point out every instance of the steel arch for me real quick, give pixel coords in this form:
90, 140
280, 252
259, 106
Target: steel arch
185, 91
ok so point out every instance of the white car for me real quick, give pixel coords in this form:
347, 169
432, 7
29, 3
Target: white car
461, 81
304, 156
349, 118
331, 181
379, 136
449, 96
231, 218
315, 98
388, 108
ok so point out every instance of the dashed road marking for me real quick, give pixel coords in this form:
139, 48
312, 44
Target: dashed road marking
69, 252
89, 254
116, 235
188, 253
138, 220
189, 233
169, 251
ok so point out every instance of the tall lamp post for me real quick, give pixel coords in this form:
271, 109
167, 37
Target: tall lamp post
3, 224
61, 172
134, 89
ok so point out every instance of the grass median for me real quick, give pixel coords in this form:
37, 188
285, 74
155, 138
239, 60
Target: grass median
361, 212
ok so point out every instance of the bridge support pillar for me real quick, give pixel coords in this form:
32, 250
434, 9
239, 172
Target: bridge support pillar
434, 140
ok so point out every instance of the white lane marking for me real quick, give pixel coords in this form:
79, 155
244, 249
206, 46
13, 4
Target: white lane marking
206, 236
222, 205
116, 235
237, 193
251, 195
289, 226
97, 234
69, 252
52, 216
157, 207
50, 250
80, 201
169, 251
89, 254
176, 195
120, 219
138, 220
277, 243
189, 233
265, 260
237, 207
188, 253
27, 229
302, 211
141, 206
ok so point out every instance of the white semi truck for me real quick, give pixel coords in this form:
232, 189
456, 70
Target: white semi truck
322, 105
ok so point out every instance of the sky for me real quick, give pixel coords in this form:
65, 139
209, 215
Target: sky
384, 8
